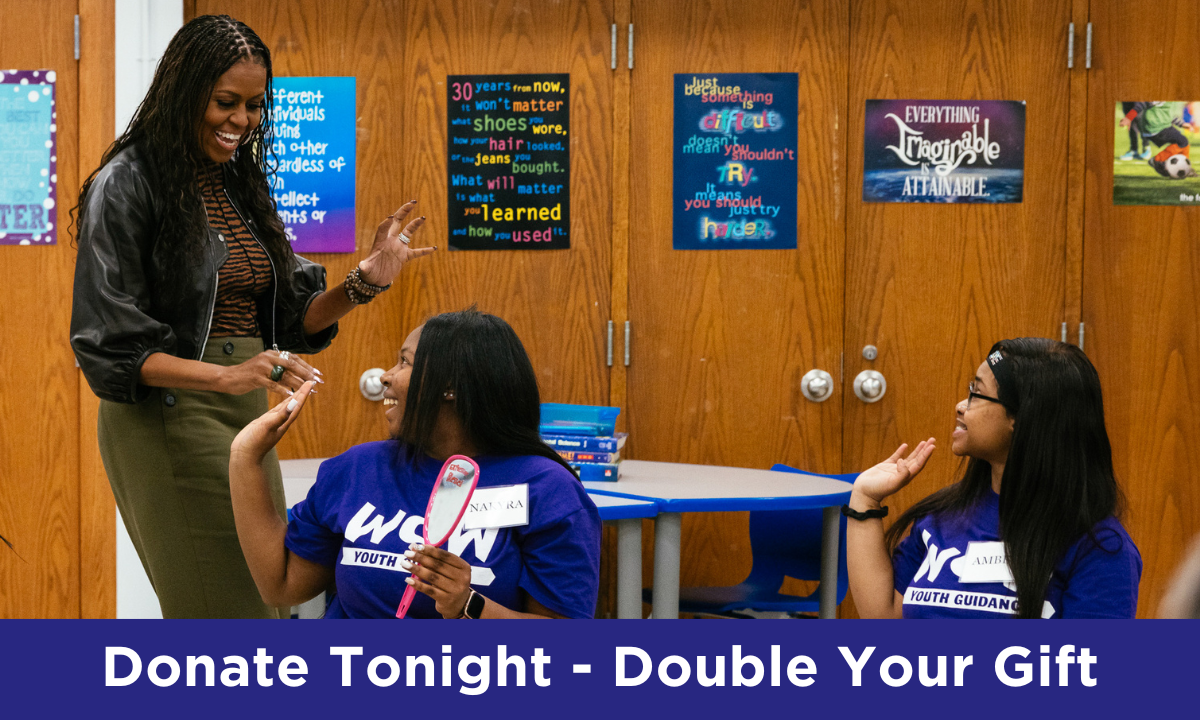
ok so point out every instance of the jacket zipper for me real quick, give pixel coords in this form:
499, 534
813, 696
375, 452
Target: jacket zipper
274, 274
212, 306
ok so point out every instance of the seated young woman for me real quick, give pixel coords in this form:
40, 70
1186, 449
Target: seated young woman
1030, 531
463, 385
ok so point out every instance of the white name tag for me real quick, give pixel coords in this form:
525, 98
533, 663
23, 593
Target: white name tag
498, 507
985, 562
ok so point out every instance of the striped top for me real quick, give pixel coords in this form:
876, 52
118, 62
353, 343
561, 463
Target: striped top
246, 274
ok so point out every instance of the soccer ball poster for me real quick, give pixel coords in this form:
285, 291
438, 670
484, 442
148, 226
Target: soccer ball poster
1152, 144
944, 151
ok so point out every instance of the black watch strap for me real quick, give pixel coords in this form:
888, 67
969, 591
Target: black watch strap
867, 515
473, 610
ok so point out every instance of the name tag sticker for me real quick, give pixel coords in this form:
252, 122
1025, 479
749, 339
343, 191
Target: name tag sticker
985, 562
498, 507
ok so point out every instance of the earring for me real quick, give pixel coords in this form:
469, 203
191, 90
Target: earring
449, 394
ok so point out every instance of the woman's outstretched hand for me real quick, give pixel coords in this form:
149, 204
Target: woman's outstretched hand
390, 252
878, 482
256, 439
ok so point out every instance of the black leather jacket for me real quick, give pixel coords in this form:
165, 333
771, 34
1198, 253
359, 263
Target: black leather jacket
115, 325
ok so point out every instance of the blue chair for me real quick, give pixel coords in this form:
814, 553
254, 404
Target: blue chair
783, 543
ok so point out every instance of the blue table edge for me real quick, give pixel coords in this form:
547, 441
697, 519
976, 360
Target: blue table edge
679, 505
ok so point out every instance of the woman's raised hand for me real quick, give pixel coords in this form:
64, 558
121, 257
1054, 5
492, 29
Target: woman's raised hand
256, 439
391, 249
257, 372
878, 482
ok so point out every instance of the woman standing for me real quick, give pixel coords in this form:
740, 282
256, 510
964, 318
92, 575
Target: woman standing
189, 303
1031, 531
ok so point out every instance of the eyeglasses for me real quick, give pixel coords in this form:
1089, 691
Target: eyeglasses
971, 394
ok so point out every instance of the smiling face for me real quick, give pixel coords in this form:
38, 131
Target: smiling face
395, 383
984, 428
234, 109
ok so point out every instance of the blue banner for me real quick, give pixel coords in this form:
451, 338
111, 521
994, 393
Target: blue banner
28, 157
314, 140
735, 161
599, 669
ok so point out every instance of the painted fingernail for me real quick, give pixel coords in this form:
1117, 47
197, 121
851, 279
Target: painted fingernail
291, 393
409, 553
406, 563
408, 580
319, 380
317, 371
417, 546
292, 405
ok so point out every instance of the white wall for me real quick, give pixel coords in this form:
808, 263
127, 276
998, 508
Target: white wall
143, 29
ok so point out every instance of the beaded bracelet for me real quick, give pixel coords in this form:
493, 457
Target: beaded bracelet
359, 291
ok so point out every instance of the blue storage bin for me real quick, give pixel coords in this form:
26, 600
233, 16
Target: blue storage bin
563, 419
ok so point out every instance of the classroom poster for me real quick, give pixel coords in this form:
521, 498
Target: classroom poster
735, 161
28, 157
509, 161
313, 123
1152, 144
944, 151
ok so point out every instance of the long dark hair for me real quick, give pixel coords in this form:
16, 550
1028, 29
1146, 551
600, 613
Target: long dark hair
1058, 480
166, 126
482, 360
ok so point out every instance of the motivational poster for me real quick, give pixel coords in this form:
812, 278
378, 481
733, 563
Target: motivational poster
735, 161
313, 123
509, 161
28, 157
1152, 146
944, 151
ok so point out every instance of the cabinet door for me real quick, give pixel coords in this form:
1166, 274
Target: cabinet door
401, 52
721, 339
932, 286
39, 399
1140, 282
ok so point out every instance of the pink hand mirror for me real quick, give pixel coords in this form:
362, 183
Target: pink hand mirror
447, 504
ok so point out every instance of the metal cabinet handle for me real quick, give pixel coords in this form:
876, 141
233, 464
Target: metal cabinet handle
816, 385
870, 386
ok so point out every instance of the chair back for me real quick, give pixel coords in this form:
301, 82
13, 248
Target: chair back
788, 543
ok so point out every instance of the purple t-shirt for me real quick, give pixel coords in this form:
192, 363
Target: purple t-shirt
955, 568
369, 503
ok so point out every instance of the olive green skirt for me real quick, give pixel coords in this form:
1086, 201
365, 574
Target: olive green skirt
167, 459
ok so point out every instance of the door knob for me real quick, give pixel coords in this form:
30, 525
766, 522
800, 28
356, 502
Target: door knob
816, 385
370, 386
870, 386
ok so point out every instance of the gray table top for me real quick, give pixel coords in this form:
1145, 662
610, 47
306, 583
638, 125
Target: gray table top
680, 487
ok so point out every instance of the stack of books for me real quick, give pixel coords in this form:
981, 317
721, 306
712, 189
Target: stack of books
584, 435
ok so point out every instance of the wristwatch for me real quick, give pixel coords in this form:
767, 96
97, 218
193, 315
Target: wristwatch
473, 610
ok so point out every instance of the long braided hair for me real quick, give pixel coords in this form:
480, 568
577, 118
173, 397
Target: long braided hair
166, 128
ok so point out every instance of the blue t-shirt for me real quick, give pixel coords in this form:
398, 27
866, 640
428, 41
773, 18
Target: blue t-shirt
942, 575
369, 503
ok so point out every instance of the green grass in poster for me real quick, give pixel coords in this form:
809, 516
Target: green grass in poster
1135, 182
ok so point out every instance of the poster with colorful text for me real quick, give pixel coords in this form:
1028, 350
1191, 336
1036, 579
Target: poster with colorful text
313, 125
944, 151
735, 161
28, 157
1152, 152
509, 161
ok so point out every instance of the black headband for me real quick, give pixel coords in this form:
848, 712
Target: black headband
1002, 369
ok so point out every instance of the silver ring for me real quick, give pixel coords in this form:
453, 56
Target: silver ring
284, 355
405, 239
